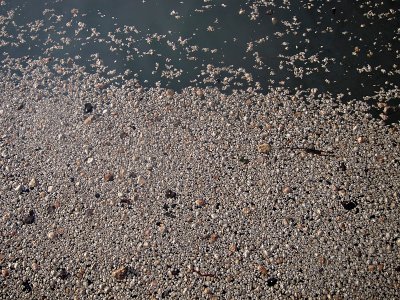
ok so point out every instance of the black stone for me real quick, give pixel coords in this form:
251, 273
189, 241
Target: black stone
123, 135
97, 195
51, 209
20, 106
88, 108
89, 281
25, 189
169, 215
165, 294
244, 160
26, 286
63, 274
349, 205
170, 194
29, 218
175, 272
272, 281
125, 201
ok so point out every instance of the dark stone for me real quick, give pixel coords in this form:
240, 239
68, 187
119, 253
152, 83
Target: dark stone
244, 160
29, 218
25, 189
170, 194
88, 108
97, 195
272, 281
123, 135
20, 106
89, 212
175, 272
26, 286
125, 201
51, 208
89, 281
63, 274
349, 205
165, 294
169, 215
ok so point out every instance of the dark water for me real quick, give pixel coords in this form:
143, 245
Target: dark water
330, 41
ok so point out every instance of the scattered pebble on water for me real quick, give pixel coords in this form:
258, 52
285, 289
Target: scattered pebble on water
257, 160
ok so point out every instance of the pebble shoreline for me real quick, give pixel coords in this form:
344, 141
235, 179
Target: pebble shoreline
123, 192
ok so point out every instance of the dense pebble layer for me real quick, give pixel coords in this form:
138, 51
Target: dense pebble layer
112, 193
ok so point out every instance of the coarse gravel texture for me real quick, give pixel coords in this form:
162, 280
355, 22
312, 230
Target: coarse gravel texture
161, 196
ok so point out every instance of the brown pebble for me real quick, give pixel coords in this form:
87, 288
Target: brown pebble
279, 260
246, 210
381, 104
170, 93
5, 272
200, 93
322, 260
207, 291
42, 194
34, 266
380, 267
162, 228
33, 183
200, 202
108, 177
264, 148
263, 270
298, 114
6, 216
99, 86
232, 248
51, 235
384, 117
120, 273
361, 139
371, 268
286, 190
141, 180
122, 173
88, 120
213, 237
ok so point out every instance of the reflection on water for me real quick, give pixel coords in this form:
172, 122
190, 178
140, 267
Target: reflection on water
341, 47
